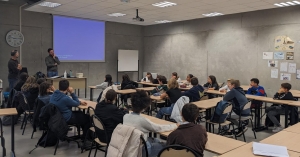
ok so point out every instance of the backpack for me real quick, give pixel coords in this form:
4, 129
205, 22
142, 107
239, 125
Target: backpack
39, 75
218, 116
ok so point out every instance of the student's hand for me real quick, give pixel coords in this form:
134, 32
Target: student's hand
70, 90
54, 55
52, 88
55, 64
83, 103
19, 67
177, 124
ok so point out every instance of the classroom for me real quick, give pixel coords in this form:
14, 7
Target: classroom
75, 75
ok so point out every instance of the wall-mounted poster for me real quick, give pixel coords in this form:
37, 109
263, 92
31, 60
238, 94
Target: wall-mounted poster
278, 55
285, 77
267, 55
272, 63
290, 56
284, 43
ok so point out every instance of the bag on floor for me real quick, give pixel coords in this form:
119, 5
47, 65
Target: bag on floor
6, 120
218, 116
49, 137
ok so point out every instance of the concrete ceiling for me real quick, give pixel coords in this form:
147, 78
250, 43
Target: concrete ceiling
184, 10
13, 2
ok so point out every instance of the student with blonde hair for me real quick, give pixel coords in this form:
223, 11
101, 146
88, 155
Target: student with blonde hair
173, 93
226, 87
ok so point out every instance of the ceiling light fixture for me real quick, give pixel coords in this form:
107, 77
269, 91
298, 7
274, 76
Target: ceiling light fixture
116, 14
163, 21
286, 4
164, 4
49, 4
213, 14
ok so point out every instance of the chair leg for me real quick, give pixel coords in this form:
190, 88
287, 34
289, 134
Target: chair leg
91, 148
213, 127
32, 134
46, 140
253, 128
56, 146
96, 150
233, 129
25, 124
23, 120
84, 142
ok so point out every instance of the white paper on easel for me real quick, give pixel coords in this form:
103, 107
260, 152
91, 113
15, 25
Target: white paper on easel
284, 66
292, 67
274, 73
269, 150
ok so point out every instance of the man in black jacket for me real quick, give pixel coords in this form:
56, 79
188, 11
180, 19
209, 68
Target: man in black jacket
13, 69
51, 62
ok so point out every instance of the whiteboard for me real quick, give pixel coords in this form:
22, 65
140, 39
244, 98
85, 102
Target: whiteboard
128, 60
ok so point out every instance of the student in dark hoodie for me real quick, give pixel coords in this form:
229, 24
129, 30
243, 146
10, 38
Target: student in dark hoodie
64, 103
46, 90
30, 90
283, 94
188, 133
237, 96
22, 79
109, 114
195, 92
162, 81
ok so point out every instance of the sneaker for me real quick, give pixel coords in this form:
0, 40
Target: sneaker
277, 129
241, 131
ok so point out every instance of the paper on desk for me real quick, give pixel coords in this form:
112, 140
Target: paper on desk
55, 77
269, 150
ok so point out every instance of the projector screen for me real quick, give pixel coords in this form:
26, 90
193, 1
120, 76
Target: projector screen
78, 40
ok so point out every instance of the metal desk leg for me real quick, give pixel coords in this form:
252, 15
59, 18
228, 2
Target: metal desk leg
2, 139
286, 116
91, 94
12, 137
207, 117
78, 92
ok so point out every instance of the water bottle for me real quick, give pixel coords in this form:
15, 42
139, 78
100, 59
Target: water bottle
70, 73
65, 74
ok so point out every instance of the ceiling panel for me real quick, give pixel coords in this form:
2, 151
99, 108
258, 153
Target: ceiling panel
184, 10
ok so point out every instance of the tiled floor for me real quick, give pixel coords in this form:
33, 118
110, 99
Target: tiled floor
23, 143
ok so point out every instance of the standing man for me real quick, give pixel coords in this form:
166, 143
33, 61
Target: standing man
13, 69
51, 62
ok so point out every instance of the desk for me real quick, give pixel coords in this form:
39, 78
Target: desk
10, 112
130, 91
295, 128
148, 84
92, 92
247, 151
89, 103
284, 138
245, 87
76, 83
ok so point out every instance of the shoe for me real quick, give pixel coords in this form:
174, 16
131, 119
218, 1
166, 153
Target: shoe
277, 129
241, 131
228, 134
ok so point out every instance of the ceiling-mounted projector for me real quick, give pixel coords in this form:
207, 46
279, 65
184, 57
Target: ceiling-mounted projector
137, 18
126, 1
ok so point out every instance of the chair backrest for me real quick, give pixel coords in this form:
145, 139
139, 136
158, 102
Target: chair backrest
247, 106
221, 84
177, 151
91, 111
228, 109
97, 123
144, 145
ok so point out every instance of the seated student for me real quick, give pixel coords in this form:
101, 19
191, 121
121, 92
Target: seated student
64, 104
176, 77
226, 87
173, 94
107, 82
211, 84
189, 133
195, 92
148, 78
40, 81
109, 114
162, 81
103, 95
140, 101
22, 79
283, 94
237, 96
188, 79
30, 90
155, 81
46, 90
127, 84
257, 90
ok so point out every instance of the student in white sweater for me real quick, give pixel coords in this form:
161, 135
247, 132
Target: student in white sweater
226, 88
140, 101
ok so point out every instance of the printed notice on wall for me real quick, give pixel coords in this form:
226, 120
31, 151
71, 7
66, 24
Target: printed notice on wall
298, 74
272, 63
292, 68
278, 55
284, 43
274, 73
284, 66
285, 77
267, 55
290, 56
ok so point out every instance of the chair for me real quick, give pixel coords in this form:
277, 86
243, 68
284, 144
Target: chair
28, 113
98, 125
221, 84
145, 145
177, 151
91, 112
242, 119
2, 139
227, 110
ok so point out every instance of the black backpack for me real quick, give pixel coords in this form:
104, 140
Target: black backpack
218, 116
39, 75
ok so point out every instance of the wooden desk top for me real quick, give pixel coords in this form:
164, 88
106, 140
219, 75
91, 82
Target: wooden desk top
284, 138
247, 151
215, 92
89, 103
295, 128
148, 83
245, 87
207, 104
157, 98
93, 87
8, 112
130, 91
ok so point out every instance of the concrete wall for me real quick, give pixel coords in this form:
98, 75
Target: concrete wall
228, 46
37, 31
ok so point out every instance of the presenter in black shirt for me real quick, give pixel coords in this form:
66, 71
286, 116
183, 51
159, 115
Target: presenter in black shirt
13, 69
52, 62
